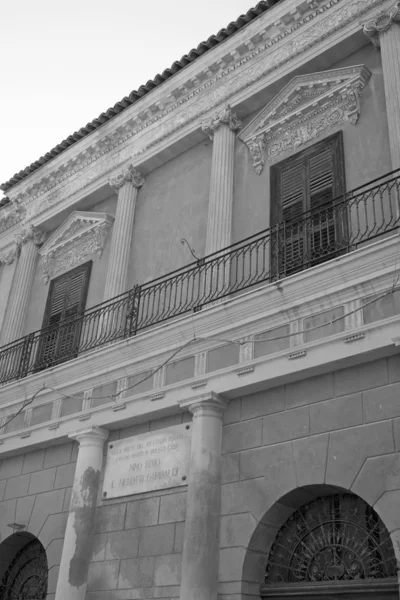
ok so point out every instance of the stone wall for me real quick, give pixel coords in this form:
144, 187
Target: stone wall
137, 546
286, 445
35, 490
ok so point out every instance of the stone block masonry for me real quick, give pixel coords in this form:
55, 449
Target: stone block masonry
137, 542
308, 438
35, 492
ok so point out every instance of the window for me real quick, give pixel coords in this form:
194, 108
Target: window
308, 221
61, 327
327, 546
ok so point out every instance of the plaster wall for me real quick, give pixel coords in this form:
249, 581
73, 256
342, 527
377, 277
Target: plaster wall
171, 205
284, 446
40, 289
35, 491
366, 150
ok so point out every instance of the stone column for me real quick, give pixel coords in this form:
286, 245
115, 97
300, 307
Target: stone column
201, 535
221, 129
127, 183
384, 32
72, 578
27, 243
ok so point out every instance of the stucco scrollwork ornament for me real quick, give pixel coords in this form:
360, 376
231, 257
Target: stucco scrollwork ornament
224, 116
256, 148
8, 256
305, 109
82, 235
29, 232
381, 23
129, 174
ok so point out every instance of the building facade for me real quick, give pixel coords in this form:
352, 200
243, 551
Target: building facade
199, 317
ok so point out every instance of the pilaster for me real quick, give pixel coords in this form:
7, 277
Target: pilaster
221, 129
384, 32
27, 243
201, 534
127, 184
72, 579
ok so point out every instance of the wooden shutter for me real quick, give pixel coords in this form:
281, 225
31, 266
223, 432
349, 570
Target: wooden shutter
308, 181
66, 300
67, 295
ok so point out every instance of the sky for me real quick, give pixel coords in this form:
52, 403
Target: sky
63, 63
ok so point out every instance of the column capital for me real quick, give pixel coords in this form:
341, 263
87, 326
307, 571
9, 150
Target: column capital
29, 233
206, 405
225, 117
90, 436
128, 174
381, 23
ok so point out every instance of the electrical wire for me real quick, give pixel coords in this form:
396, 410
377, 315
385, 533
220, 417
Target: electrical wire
192, 341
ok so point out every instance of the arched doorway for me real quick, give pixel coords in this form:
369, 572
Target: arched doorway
24, 571
335, 547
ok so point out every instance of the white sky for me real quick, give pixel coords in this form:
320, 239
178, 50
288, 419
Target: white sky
62, 63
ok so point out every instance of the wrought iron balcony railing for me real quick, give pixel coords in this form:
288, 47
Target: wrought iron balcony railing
336, 228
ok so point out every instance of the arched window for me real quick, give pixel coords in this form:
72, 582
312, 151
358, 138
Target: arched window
332, 539
26, 577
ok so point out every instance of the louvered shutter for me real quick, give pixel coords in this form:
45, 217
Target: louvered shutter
287, 205
66, 300
302, 190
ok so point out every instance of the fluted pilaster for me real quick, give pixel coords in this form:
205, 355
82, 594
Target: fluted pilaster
221, 129
27, 243
384, 32
127, 184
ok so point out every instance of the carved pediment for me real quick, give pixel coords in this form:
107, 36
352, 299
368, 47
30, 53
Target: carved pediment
80, 236
303, 109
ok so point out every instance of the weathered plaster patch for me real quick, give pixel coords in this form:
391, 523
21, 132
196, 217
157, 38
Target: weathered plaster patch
82, 505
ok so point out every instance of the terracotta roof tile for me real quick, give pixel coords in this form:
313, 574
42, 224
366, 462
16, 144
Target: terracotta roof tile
123, 104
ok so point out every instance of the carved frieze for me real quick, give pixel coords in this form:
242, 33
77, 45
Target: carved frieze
82, 235
295, 34
306, 107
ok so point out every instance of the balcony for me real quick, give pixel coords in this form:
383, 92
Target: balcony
336, 228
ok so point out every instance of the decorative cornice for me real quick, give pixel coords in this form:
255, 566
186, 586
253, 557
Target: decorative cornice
224, 116
304, 109
129, 174
80, 236
381, 23
282, 46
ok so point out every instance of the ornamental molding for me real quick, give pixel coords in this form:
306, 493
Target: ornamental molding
127, 175
303, 110
381, 23
223, 117
261, 48
80, 236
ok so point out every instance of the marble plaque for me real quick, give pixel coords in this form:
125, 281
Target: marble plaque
143, 463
